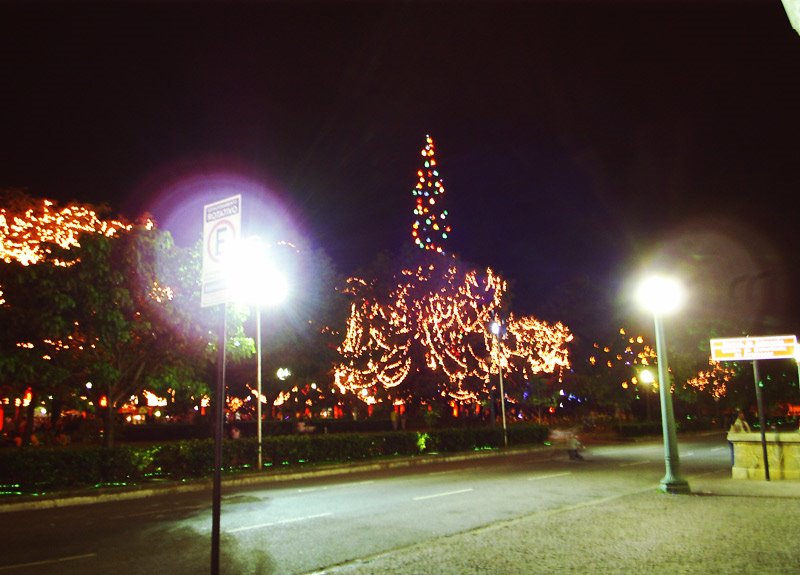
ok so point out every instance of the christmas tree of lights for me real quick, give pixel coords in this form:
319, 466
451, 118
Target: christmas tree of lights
431, 227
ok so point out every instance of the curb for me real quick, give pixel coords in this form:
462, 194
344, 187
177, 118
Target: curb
59, 500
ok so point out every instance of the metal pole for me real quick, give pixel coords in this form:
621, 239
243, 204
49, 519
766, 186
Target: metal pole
219, 430
798, 374
672, 481
761, 420
258, 385
502, 391
503, 407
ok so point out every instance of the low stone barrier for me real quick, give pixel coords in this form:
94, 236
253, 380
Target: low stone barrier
783, 454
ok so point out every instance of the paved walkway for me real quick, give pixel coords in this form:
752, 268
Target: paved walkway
726, 526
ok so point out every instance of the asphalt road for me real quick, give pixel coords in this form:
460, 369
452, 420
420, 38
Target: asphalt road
310, 525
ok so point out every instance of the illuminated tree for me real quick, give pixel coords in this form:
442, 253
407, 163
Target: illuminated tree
31, 228
122, 324
714, 381
433, 328
431, 226
34, 231
117, 305
611, 376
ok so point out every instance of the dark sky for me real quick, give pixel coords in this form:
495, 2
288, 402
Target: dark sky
575, 138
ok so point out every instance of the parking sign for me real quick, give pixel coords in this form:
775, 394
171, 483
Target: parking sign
222, 224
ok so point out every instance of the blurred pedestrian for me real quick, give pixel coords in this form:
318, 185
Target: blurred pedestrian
573, 445
739, 425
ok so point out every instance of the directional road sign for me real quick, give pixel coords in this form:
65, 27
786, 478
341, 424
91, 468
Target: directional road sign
752, 348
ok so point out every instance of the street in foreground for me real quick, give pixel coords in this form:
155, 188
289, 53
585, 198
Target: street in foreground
506, 514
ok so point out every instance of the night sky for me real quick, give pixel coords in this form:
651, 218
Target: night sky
577, 140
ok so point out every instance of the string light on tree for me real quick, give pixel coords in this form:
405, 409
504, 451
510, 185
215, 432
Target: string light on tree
24, 237
715, 380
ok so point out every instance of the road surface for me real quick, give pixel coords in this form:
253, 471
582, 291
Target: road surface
306, 526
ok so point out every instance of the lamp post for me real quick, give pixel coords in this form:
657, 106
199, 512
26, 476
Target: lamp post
495, 327
797, 360
662, 295
646, 376
259, 371
260, 283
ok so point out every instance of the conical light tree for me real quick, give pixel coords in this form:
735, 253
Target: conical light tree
431, 226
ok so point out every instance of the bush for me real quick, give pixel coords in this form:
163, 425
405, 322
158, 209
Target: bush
183, 459
46, 468
638, 428
165, 432
695, 424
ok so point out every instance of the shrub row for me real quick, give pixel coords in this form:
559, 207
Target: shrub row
23, 470
158, 431
639, 428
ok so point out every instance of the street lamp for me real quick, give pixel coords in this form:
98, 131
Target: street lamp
646, 376
792, 8
260, 283
495, 327
662, 295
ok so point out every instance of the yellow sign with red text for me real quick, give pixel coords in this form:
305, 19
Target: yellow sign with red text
751, 348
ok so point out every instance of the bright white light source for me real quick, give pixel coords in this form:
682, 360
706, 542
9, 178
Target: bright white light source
646, 376
495, 327
283, 373
792, 8
254, 277
660, 294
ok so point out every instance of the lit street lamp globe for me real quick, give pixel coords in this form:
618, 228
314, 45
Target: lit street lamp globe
646, 376
660, 295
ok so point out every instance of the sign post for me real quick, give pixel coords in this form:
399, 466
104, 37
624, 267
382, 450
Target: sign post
222, 222
753, 349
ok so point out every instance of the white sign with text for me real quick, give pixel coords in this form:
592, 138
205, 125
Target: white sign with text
222, 225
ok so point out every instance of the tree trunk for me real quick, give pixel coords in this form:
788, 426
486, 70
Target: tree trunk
108, 420
55, 411
29, 411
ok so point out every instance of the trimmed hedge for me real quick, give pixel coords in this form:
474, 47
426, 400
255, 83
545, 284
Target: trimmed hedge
640, 428
47, 468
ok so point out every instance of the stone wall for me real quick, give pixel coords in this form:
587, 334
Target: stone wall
783, 453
